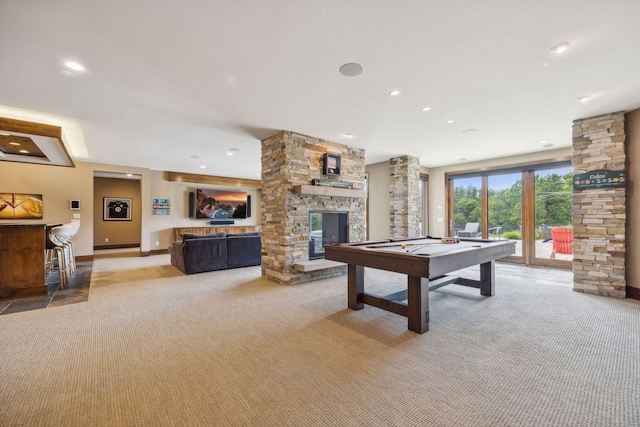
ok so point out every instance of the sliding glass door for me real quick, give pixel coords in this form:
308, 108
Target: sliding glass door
529, 204
505, 208
467, 206
553, 200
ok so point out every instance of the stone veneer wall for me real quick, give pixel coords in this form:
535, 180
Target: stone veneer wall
290, 159
599, 214
405, 196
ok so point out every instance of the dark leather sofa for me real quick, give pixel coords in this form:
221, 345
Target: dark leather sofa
197, 253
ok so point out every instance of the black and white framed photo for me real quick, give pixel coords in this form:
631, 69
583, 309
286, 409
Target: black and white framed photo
74, 205
117, 209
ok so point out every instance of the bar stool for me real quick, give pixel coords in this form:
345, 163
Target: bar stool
56, 247
65, 235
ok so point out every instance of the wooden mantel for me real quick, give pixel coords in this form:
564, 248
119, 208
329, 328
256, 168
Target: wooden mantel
318, 190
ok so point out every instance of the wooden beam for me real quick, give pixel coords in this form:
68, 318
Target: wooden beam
38, 129
214, 180
30, 128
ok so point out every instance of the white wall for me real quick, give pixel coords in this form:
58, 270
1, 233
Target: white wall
60, 184
379, 201
161, 226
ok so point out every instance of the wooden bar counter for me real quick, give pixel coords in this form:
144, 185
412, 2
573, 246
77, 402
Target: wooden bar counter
22, 257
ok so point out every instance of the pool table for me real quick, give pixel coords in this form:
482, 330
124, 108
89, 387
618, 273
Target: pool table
425, 261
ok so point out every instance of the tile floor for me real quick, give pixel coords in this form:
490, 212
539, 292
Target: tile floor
76, 290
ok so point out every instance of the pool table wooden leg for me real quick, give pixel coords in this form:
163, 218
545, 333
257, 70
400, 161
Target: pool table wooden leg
418, 304
356, 286
487, 279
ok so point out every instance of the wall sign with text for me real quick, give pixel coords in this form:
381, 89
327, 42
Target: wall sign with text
161, 207
599, 179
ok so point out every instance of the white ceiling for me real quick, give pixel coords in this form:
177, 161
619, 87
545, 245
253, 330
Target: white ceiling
167, 80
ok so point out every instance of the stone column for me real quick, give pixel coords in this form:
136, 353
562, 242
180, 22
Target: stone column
405, 196
289, 160
599, 214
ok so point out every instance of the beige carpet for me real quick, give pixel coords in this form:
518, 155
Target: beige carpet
153, 347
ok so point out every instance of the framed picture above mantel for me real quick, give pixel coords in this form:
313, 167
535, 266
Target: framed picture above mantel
331, 164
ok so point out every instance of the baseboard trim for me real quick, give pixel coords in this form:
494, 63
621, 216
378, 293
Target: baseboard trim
126, 246
145, 253
633, 292
159, 251
84, 258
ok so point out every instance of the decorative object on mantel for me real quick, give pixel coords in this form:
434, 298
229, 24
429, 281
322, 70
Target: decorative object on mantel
331, 164
329, 183
599, 179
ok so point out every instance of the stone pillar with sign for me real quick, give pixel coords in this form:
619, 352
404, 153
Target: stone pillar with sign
599, 205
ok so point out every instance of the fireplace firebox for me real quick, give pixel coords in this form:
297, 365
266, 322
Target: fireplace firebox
326, 227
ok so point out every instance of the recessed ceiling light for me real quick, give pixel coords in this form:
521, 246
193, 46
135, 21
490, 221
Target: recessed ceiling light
426, 108
456, 157
74, 66
450, 121
202, 166
584, 98
229, 153
351, 69
24, 151
546, 64
68, 73
14, 143
469, 131
542, 142
348, 135
560, 47
394, 93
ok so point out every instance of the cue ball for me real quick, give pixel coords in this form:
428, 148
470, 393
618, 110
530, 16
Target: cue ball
403, 246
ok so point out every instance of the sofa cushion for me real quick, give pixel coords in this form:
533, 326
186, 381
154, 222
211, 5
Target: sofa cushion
207, 254
243, 250
189, 236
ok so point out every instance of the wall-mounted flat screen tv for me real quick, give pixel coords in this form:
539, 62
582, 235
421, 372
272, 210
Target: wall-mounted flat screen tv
220, 204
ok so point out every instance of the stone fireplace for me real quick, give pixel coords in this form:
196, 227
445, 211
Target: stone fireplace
290, 162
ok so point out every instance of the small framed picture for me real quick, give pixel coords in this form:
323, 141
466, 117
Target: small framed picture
331, 164
117, 209
74, 205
